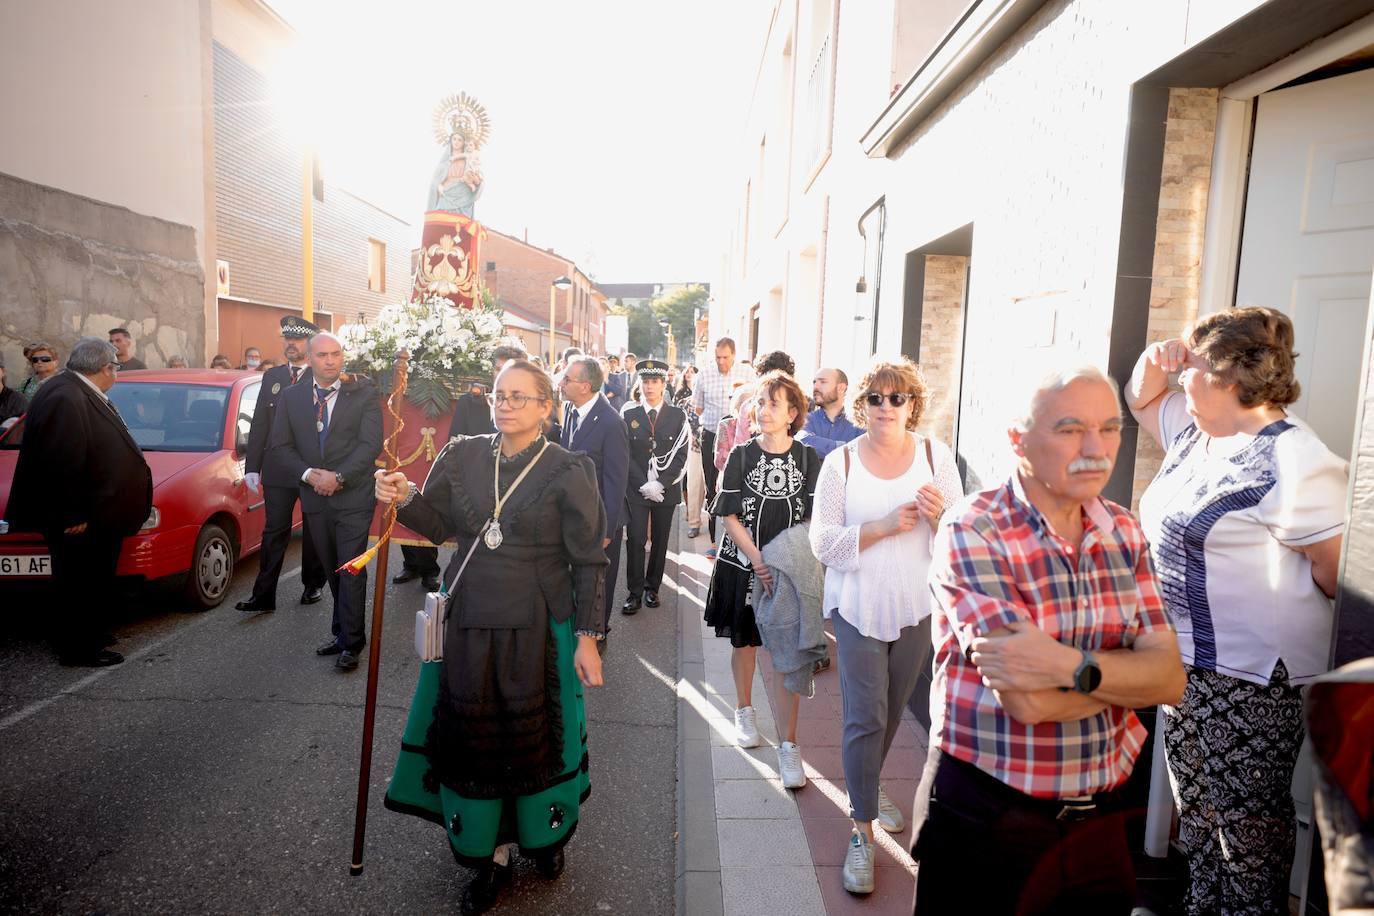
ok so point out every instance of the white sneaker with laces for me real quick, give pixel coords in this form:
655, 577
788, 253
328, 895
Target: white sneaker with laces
889, 817
744, 724
858, 865
790, 765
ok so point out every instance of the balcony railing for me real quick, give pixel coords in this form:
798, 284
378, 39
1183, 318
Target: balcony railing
817, 103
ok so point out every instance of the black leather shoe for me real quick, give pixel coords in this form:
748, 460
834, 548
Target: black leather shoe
346, 661
485, 887
651, 598
693, 532
312, 596
405, 575
254, 606
550, 866
102, 658
431, 583
330, 648
632, 605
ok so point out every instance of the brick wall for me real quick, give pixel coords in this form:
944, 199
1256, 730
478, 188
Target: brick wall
1177, 270
258, 176
522, 278
941, 324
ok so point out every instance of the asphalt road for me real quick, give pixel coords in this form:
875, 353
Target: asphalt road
215, 771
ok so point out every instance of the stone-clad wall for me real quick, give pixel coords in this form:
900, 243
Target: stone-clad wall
941, 342
72, 266
1177, 271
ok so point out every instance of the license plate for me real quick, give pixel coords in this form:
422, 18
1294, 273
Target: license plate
25, 564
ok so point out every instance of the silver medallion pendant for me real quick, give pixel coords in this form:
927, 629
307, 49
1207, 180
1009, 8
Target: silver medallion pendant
319, 426
493, 536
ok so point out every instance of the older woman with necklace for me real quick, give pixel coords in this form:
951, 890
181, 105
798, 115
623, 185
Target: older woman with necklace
495, 745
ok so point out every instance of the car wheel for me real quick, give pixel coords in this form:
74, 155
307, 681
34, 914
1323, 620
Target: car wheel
212, 569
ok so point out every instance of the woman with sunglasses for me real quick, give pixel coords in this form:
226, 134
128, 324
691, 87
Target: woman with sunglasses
877, 503
495, 747
42, 366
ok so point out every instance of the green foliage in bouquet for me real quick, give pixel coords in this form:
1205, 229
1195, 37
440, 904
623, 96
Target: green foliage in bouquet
447, 345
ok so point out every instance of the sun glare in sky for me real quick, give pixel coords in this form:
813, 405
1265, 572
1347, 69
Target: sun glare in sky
615, 123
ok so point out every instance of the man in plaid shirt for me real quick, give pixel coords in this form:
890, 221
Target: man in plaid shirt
1048, 630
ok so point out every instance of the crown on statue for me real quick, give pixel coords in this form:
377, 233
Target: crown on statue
463, 115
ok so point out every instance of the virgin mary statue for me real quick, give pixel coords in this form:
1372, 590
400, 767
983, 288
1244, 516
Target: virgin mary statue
462, 126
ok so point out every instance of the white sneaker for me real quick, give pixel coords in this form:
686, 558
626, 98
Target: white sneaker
889, 818
748, 730
858, 865
790, 766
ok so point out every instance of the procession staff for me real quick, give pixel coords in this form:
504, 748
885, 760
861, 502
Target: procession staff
658, 461
504, 729
327, 436
280, 494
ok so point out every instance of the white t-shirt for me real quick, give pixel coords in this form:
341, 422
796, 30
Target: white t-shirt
884, 588
1223, 518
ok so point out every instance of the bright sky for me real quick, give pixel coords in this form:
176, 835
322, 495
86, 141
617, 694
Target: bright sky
614, 122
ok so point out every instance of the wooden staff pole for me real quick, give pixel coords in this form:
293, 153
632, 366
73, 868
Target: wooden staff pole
374, 656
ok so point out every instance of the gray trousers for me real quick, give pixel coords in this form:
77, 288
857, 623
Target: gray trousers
876, 680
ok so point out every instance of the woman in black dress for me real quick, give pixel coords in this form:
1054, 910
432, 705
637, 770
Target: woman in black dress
495, 745
767, 488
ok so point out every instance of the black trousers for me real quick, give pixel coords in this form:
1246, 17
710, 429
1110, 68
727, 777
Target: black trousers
83, 568
340, 535
276, 534
983, 847
708, 473
644, 519
424, 560
612, 570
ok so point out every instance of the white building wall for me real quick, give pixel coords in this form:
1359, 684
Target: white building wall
136, 138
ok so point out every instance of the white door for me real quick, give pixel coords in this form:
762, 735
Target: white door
1308, 243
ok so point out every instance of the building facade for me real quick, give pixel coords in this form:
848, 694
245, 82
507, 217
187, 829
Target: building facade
521, 276
147, 180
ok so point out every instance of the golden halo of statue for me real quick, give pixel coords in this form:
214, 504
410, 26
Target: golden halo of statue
462, 114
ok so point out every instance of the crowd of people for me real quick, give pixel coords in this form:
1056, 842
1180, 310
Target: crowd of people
1046, 613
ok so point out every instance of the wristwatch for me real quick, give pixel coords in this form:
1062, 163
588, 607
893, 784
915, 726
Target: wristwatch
339, 477
1087, 677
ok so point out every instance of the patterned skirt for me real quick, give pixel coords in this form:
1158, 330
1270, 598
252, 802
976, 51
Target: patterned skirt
540, 822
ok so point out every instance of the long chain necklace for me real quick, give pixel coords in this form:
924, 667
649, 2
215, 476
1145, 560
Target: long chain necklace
492, 537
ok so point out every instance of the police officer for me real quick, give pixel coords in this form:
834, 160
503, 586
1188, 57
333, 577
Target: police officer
658, 460
280, 495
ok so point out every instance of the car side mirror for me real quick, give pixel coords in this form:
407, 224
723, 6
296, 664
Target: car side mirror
240, 442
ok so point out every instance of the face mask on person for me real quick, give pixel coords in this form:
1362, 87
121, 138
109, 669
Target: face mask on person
253, 362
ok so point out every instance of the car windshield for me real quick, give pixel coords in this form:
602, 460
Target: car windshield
165, 417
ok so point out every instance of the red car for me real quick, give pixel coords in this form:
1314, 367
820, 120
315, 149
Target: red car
192, 425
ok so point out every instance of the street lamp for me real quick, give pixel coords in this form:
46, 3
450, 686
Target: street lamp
670, 346
558, 284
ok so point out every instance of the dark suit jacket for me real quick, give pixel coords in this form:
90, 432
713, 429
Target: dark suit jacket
275, 381
352, 442
471, 417
603, 437
670, 428
77, 464
617, 389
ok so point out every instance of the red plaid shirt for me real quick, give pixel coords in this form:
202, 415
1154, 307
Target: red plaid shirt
1000, 562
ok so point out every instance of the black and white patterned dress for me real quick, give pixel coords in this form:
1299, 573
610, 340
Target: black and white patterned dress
769, 493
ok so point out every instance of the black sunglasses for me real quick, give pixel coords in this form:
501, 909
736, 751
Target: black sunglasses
40, 359
896, 398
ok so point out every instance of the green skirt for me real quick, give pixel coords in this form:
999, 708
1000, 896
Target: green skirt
539, 823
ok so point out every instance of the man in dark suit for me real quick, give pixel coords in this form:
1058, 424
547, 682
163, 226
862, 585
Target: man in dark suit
327, 436
82, 482
280, 495
658, 434
592, 426
617, 385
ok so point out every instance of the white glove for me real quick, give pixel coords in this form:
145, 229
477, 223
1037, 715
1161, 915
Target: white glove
254, 481
652, 491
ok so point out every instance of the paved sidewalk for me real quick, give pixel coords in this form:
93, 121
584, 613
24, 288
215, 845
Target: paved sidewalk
749, 846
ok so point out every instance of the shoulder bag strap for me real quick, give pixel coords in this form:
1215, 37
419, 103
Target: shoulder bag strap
930, 457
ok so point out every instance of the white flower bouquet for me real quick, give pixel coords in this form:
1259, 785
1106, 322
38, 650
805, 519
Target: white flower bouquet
447, 346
